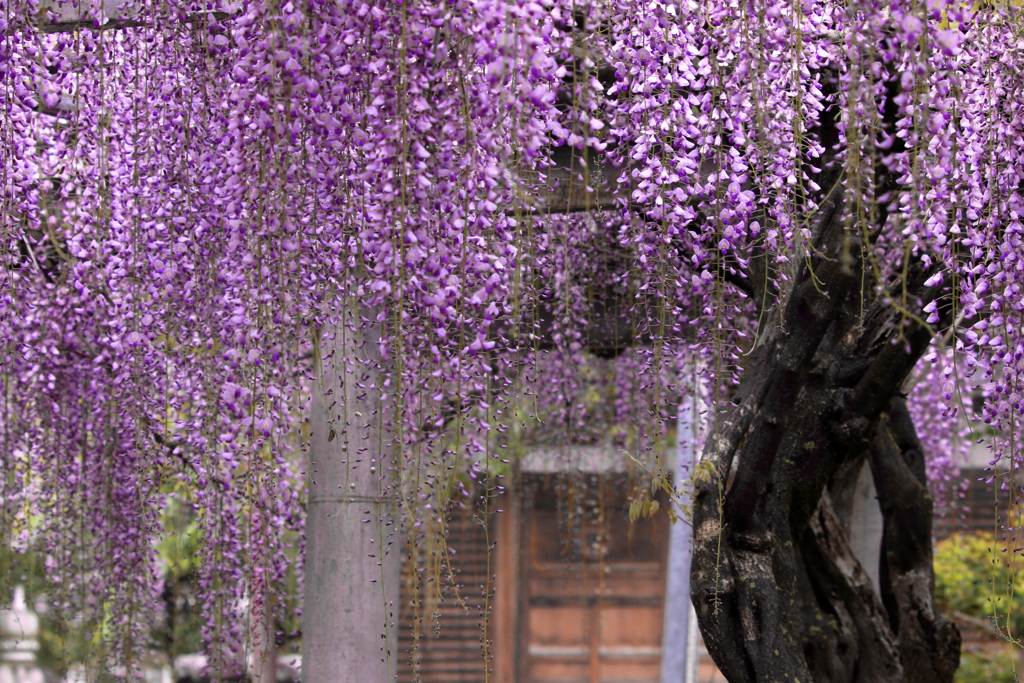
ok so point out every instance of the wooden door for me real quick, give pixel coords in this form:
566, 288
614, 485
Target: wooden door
593, 584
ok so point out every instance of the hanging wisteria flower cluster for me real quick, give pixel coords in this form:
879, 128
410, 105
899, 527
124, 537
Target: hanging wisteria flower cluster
194, 193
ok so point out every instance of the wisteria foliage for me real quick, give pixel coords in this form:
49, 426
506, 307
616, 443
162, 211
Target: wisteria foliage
191, 198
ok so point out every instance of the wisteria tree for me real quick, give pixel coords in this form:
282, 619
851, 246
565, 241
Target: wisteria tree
313, 265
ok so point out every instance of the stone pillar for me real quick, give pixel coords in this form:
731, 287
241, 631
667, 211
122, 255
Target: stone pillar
679, 642
261, 647
867, 526
19, 641
350, 608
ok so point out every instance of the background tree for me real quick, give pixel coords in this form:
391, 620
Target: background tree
199, 201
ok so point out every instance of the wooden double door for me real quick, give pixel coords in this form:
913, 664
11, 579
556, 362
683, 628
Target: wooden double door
590, 585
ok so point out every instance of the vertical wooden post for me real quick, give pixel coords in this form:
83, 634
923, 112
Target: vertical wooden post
352, 562
505, 664
593, 612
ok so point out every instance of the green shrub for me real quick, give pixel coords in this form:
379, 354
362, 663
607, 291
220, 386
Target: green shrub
976, 575
994, 667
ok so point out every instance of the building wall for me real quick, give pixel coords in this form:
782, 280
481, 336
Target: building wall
576, 595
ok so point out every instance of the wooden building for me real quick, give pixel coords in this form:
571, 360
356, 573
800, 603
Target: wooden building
577, 591
576, 595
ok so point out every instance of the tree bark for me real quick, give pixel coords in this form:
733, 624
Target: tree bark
779, 594
351, 561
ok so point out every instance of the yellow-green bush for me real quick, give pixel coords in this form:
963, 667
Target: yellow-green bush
981, 577
997, 667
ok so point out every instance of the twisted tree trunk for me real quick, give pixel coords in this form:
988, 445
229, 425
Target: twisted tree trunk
778, 592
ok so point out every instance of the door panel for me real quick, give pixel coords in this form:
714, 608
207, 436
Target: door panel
562, 670
631, 626
630, 671
593, 587
557, 626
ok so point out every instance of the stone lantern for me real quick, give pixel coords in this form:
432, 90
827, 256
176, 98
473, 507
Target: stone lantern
19, 641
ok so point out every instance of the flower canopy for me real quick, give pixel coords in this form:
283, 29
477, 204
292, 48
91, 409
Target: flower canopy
196, 194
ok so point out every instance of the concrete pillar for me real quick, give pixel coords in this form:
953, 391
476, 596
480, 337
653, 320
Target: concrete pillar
352, 554
679, 641
260, 646
19, 641
867, 525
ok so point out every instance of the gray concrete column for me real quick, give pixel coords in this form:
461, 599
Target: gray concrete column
352, 555
679, 641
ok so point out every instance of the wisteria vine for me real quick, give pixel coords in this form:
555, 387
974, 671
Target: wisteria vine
192, 198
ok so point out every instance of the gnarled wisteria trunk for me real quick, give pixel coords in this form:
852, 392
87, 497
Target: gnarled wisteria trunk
779, 593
